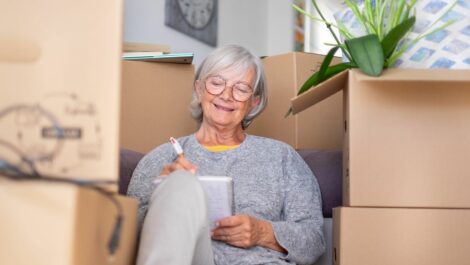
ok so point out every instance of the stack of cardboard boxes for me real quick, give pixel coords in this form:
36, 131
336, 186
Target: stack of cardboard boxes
406, 167
59, 104
57, 223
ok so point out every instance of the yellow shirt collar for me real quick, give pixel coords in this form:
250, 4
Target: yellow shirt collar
220, 148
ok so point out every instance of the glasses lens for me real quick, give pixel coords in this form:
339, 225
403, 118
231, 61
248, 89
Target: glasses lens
215, 85
241, 92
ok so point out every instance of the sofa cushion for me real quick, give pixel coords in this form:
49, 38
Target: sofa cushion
327, 166
128, 160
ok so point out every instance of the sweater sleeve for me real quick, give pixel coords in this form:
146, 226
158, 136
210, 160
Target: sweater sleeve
300, 231
141, 184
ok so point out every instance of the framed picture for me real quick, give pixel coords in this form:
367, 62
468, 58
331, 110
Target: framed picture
195, 18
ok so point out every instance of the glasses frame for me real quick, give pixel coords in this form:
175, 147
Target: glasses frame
225, 87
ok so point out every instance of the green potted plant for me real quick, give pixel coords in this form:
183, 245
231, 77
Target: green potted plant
386, 23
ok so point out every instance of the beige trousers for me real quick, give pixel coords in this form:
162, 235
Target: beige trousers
176, 227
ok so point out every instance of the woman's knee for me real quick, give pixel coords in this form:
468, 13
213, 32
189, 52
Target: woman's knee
182, 185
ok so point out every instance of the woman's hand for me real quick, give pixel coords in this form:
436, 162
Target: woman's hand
180, 163
245, 231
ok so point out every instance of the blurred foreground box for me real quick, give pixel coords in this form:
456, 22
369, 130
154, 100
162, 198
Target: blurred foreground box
62, 224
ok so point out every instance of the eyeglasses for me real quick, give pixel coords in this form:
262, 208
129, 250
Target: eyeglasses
216, 85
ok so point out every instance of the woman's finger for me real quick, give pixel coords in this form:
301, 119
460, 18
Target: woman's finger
227, 236
238, 240
167, 169
242, 243
186, 165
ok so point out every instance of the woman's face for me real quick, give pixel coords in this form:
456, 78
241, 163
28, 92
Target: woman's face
223, 110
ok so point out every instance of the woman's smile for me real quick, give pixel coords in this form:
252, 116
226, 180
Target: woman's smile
223, 108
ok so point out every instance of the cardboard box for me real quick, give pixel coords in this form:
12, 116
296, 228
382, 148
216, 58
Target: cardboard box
61, 224
319, 127
391, 236
155, 103
60, 68
406, 136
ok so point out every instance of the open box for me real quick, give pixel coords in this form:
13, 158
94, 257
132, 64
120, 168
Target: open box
406, 136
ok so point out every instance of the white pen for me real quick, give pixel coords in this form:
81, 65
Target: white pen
177, 147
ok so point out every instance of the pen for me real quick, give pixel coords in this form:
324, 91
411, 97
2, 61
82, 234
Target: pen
177, 147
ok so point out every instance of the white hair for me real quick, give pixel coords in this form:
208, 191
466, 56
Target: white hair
237, 58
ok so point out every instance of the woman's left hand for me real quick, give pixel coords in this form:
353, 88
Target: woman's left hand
245, 231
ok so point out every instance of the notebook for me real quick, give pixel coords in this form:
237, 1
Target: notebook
164, 57
219, 191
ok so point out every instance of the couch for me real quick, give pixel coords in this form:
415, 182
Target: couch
326, 166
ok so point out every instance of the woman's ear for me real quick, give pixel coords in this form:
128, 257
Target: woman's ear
255, 102
198, 88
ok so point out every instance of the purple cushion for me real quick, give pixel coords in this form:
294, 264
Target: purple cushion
327, 166
128, 160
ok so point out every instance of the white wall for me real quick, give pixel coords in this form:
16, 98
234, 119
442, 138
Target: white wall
244, 22
144, 21
319, 33
263, 26
280, 27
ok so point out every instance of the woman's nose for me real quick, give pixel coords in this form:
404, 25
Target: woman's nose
227, 93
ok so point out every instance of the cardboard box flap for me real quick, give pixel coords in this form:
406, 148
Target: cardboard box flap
319, 93
415, 75
338, 82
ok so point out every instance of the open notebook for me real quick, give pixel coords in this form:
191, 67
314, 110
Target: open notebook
219, 191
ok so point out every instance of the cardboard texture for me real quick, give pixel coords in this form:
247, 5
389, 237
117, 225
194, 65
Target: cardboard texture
155, 103
61, 224
319, 127
145, 47
391, 236
406, 141
60, 68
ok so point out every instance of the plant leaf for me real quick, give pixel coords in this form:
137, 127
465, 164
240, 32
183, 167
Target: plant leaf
367, 53
367, 12
381, 30
399, 14
391, 10
403, 48
289, 112
326, 62
303, 12
391, 40
314, 79
344, 31
357, 13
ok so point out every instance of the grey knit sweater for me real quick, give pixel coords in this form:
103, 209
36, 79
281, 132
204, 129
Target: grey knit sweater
271, 182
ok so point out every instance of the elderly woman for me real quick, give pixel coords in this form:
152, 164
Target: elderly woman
277, 204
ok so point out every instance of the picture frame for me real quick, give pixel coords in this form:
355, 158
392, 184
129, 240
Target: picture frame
195, 18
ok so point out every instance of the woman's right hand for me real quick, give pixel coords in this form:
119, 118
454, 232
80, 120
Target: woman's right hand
180, 163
